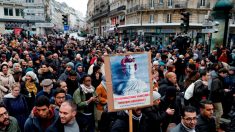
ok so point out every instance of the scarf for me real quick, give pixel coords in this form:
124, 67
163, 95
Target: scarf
86, 89
134, 117
31, 87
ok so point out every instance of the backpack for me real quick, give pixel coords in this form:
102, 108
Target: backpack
190, 90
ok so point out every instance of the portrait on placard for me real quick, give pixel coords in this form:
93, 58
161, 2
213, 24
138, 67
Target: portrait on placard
130, 80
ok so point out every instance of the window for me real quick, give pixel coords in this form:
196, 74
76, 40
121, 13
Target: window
203, 3
19, 12
8, 11
160, 1
151, 3
151, 18
169, 3
29, 1
168, 19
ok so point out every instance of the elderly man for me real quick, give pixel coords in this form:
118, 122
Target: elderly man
7, 123
47, 85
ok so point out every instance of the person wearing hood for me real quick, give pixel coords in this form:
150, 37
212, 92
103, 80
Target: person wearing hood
155, 115
43, 116
122, 122
16, 105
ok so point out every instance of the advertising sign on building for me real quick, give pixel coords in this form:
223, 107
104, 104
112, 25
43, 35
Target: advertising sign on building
46, 25
36, 11
128, 81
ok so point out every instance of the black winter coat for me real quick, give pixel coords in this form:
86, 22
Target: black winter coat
205, 125
154, 118
217, 90
122, 123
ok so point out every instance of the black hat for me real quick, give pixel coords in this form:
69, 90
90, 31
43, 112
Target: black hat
171, 91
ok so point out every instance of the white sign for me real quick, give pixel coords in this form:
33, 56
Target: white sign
31, 17
36, 11
47, 25
208, 30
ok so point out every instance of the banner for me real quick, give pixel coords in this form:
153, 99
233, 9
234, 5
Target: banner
129, 81
17, 31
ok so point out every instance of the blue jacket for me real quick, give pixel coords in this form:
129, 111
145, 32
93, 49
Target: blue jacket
32, 124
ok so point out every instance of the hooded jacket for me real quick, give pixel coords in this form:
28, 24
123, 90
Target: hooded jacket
34, 123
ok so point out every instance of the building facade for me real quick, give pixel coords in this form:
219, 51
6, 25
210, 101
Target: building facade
157, 21
36, 16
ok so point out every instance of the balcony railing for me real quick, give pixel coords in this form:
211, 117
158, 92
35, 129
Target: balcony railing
158, 6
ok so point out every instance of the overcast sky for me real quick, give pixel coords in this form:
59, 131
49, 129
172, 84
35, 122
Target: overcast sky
80, 5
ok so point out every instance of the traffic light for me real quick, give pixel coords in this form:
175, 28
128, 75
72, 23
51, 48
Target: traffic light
65, 19
185, 24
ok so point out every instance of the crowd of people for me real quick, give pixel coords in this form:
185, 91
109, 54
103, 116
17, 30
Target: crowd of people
51, 83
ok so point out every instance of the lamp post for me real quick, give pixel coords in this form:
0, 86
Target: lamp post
220, 13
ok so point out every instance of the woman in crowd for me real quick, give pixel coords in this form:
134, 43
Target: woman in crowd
29, 87
6, 80
16, 105
85, 97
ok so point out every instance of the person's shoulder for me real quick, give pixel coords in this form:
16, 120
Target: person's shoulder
12, 119
177, 128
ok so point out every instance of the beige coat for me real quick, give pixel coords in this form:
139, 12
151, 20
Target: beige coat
6, 82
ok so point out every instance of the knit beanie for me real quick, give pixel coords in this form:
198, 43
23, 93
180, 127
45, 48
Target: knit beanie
70, 64
32, 75
156, 95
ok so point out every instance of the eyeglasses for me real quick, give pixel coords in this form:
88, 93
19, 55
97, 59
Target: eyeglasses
60, 98
190, 119
3, 114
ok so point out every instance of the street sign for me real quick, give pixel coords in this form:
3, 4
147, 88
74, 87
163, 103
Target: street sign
34, 18
208, 30
33, 10
207, 24
46, 25
66, 27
